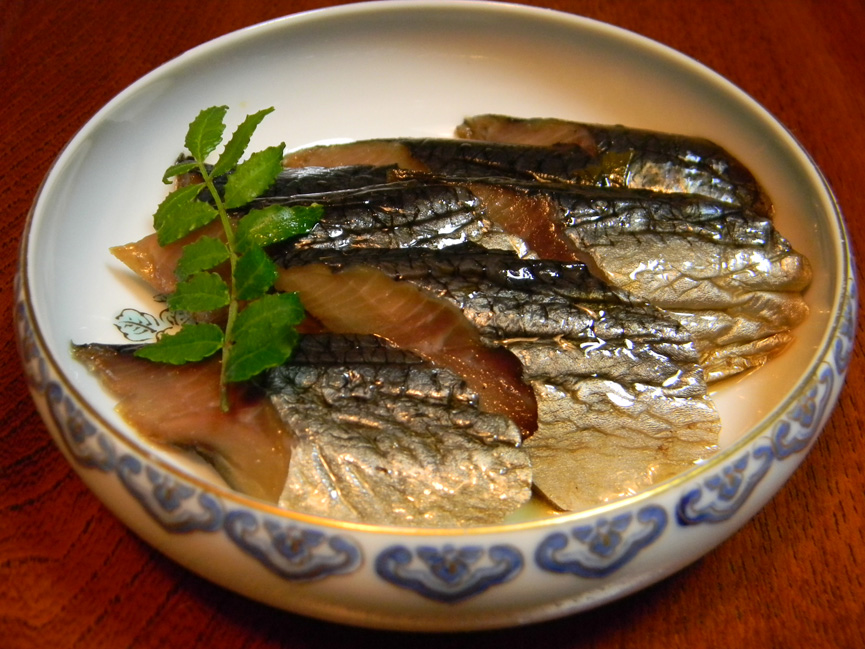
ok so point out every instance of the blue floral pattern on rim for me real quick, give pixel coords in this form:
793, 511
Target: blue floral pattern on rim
449, 574
601, 548
728, 489
291, 551
175, 505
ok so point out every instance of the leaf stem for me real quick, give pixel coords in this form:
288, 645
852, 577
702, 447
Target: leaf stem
232, 260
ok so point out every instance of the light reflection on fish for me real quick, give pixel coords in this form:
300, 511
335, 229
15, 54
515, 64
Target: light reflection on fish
382, 437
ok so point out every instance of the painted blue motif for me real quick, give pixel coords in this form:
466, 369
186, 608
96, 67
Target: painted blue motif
799, 427
34, 365
81, 437
175, 505
843, 349
139, 326
600, 549
720, 496
449, 574
292, 552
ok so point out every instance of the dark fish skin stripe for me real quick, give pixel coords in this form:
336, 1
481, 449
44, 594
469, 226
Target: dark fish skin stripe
466, 158
677, 163
638, 211
436, 206
335, 362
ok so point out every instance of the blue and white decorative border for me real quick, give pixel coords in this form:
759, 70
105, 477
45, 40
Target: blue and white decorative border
449, 574
445, 573
599, 549
719, 496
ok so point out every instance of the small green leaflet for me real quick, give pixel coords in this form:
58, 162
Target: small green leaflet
205, 132
252, 177
194, 342
239, 141
254, 274
274, 310
181, 213
202, 254
178, 170
201, 292
273, 224
264, 335
248, 359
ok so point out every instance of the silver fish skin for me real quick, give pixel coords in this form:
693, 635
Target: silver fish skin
724, 272
382, 437
680, 251
622, 400
599, 440
627, 233
652, 160
396, 215
674, 251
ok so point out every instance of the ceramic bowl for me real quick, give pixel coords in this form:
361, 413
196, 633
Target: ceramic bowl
416, 68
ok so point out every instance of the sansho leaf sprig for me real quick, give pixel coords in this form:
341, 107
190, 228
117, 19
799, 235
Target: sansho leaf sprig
260, 327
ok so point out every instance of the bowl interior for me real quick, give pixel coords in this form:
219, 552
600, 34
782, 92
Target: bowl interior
402, 69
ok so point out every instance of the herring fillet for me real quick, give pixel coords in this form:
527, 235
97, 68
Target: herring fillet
622, 402
655, 160
382, 437
180, 407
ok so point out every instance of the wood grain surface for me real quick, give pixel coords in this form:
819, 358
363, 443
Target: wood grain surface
72, 576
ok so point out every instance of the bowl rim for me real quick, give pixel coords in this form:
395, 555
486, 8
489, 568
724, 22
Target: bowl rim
843, 268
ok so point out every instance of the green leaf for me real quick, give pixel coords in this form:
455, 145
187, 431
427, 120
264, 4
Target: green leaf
237, 144
201, 292
275, 223
194, 342
174, 204
273, 312
180, 213
253, 176
202, 254
254, 274
248, 359
196, 215
178, 170
264, 335
205, 132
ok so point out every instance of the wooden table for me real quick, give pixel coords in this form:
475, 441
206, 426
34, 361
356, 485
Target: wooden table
72, 576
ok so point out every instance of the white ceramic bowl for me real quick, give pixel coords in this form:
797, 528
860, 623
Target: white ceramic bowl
410, 69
